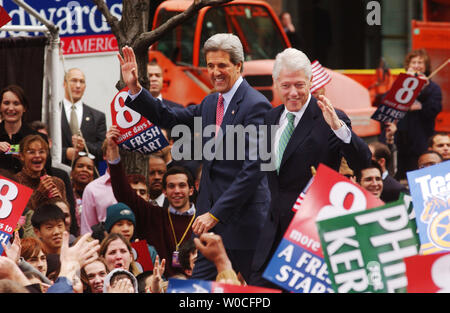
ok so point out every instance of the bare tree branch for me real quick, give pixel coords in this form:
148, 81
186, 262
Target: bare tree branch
130, 30
112, 21
146, 39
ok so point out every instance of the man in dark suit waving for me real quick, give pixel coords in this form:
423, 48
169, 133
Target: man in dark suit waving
234, 196
310, 132
82, 126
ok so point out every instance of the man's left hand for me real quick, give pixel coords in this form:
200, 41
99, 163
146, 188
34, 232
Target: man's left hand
203, 224
329, 114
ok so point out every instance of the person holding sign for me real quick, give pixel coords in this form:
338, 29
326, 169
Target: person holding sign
233, 199
310, 132
166, 228
417, 126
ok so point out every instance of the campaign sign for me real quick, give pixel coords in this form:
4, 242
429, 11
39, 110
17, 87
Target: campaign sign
203, 286
398, 100
430, 190
82, 27
298, 265
142, 255
136, 132
13, 200
364, 251
4, 17
428, 273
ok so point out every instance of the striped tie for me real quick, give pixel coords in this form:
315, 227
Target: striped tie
285, 136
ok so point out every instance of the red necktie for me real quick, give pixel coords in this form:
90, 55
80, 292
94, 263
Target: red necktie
219, 113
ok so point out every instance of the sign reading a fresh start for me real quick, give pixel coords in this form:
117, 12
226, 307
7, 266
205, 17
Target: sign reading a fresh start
136, 132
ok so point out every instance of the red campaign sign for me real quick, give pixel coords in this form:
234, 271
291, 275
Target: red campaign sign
136, 132
13, 200
4, 17
142, 255
428, 273
329, 195
404, 92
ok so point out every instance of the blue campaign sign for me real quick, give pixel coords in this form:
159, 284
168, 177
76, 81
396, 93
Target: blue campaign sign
82, 27
189, 286
298, 270
430, 190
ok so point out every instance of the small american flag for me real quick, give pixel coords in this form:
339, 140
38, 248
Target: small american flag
302, 195
320, 76
4, 16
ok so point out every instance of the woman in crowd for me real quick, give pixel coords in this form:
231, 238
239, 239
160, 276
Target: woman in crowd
93, 276
117, 252
33, 154
82, 174
13, 128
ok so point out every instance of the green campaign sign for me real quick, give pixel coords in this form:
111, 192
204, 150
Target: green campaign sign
364, 251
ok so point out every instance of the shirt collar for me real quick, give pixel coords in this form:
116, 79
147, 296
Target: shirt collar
189, 212
385, 174
227, 96
298, 114
68, 104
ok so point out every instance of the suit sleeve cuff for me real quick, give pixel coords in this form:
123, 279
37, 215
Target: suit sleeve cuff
135, 95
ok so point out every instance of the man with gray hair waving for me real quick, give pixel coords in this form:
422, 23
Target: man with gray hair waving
310, 132
233, 198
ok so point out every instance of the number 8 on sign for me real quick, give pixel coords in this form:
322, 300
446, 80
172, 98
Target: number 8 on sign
120, 107
405, 94
5, 199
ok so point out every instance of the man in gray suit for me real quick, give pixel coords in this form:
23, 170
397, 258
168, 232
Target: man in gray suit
82, 126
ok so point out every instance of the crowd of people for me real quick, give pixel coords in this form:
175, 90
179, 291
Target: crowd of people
211, 219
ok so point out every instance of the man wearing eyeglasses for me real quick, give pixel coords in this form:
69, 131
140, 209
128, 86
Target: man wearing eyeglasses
83, 127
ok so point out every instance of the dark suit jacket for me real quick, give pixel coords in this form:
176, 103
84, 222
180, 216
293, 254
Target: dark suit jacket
313, 142
416, 127
172, 104
234, 191
392, 189
93, 129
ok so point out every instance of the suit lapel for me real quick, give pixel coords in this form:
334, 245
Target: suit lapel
86, 119
66, 132
233, 106
302, 130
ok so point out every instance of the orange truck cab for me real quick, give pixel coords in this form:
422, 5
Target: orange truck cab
186, 81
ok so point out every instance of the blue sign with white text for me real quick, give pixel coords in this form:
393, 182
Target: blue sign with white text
430, 190
298, 270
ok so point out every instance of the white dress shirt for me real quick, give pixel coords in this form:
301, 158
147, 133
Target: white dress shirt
78, 109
